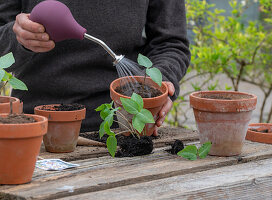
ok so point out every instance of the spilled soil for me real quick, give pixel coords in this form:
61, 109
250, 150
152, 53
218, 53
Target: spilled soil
16, 119
145, 91
63, 107
176, 147
129, 146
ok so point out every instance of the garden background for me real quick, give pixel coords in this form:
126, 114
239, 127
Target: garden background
231, 44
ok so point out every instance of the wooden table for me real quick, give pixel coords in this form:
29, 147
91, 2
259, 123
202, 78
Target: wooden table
156, 176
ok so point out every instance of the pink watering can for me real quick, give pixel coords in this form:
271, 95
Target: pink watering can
60, 24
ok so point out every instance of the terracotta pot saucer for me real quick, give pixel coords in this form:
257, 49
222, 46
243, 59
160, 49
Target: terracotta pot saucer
260, 134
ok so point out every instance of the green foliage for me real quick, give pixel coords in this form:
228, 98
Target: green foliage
191, 152
151, 71
228, 45
134, 106
5, 62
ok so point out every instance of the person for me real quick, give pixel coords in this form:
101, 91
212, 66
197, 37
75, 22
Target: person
75, 71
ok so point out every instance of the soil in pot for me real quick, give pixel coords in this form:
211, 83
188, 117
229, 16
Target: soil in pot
216, 97
145, 91
260, 131
129, 146
16, 119
63, 107
176, 147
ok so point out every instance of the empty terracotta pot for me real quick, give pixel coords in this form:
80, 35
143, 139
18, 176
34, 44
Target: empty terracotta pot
222, 117
63, 128
260, 132
154, 105
19, 147
17, 106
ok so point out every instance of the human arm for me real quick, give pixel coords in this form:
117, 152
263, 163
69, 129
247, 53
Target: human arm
166, 40
167, 46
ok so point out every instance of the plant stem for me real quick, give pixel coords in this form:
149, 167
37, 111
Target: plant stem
2, 88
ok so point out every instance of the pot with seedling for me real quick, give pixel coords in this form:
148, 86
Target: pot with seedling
9, 104
20, 134
153, 91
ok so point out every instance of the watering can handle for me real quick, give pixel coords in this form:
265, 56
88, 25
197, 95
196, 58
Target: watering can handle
58, 21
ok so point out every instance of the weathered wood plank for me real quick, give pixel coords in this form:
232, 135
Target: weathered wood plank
103, 173
244, 181
167, 135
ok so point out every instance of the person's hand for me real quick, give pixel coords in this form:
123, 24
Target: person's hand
31, 34
166, 107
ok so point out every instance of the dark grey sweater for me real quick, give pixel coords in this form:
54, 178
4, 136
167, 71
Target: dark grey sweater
81, 71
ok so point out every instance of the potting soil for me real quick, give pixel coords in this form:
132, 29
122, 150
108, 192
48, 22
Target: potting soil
64, 107
145, 91
16, 119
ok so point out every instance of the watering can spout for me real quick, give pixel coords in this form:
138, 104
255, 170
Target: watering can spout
58, 21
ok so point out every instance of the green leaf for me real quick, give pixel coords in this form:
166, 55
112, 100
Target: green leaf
189, 152
144, 61
101, 107
101, 129
17, 84
105, 113
2, 74
112, 145
137, 98
107, 129
137, 124
204, 149
130, 105
6, 60
155, 75
145, 116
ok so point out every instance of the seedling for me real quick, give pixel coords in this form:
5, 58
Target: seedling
134, 106
191, 152
153, 72
5, 62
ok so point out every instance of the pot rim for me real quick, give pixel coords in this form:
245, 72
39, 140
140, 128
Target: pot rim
17, 129
223, 105
73, 115
258, 136
148, 102
8, 97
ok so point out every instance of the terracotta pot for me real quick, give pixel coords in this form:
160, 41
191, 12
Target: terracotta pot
154, 105
256, 136
223, 122
63, 128
19, 147
17, 106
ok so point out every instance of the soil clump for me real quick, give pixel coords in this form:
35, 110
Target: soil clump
129, 146
261, 131
16, 119
176, 147
145, 91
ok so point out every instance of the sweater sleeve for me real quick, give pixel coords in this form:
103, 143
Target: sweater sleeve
8, 42
167, 43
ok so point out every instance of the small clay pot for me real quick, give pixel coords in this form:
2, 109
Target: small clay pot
63, 128
19, 147
154, 105
17, 106
260, 134
222, 117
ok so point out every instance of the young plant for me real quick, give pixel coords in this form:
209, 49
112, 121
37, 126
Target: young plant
152, 72
134, 106
191, 152
5, 77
